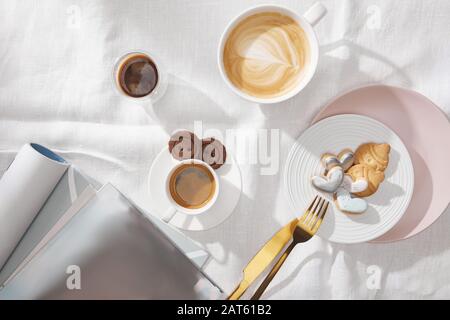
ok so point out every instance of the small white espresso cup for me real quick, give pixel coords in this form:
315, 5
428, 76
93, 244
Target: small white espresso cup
306, 22
161, 85
174, 206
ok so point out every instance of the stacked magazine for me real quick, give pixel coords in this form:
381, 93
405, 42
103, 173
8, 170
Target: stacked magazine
62, 236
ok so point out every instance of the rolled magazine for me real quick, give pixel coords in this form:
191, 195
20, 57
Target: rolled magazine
24, 189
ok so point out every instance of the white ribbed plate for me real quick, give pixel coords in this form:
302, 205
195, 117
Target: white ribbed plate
333, 134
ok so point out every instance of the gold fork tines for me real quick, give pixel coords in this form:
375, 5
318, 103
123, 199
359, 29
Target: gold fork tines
310, 221
306, 228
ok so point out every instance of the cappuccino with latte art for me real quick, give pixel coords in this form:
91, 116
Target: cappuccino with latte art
269, 53
265, 55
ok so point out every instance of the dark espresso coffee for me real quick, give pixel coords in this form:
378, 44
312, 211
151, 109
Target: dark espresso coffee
137, 75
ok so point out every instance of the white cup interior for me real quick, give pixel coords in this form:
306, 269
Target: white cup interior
309, 69
182, 209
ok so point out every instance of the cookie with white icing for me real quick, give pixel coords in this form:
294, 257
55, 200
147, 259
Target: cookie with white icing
344, 159
330, 182
357, 186
348, 204
329, 161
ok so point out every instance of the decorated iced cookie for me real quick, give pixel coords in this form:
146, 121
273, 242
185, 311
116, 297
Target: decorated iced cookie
351, 175
374, 155
329, 161
357, 186
373, 178
331, 181
348, 204
344, 159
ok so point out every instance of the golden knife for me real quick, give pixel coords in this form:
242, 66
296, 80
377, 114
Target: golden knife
263, 258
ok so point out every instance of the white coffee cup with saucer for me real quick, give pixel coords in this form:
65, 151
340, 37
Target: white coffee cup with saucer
230, 180
175, 206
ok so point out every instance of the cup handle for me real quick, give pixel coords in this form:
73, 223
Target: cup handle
315, 13
168, 215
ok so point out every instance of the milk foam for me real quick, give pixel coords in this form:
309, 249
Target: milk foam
265, 54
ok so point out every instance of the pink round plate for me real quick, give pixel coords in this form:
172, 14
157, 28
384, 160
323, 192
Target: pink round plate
425, 130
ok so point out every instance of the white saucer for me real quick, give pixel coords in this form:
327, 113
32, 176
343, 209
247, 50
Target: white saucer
230, 191
333, 134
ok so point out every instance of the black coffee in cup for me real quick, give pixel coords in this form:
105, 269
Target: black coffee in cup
137, 75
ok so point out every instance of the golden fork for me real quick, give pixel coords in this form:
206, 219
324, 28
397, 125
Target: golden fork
264, 257
305, 229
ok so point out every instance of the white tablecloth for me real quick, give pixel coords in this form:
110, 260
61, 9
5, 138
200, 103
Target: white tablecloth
56, 61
